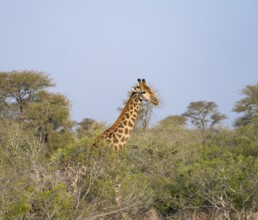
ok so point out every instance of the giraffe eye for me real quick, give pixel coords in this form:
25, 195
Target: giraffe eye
143, 92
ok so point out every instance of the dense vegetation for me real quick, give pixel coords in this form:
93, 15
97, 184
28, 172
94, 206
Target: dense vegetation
48, 169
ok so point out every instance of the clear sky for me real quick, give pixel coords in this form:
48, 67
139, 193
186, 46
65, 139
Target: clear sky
95, 50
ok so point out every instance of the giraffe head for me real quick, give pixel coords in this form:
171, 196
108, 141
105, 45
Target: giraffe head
144, 92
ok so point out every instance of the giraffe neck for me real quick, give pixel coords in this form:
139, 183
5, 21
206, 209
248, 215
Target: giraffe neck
118, 134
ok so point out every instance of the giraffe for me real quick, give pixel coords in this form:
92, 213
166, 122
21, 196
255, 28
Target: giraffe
118, 134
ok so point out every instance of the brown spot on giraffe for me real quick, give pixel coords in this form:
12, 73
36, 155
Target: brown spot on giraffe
126, 131
120, 125
115, 139
130, 124
123, 139
120, 131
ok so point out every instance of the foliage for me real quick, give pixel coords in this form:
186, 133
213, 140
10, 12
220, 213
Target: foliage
249, 106
49, 171
204, 114
48, 115
24, 99
172, 121
89, 127
29, 188
21, 87
104, 183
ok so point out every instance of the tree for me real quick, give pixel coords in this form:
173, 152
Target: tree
23, 98
248, 106
204, 114
19, 88
144, 115
172, 120
49, 116
30, 187
89, 127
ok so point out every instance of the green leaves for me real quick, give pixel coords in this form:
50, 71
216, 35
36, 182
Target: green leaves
50, 171
248, 106
24, 99
21, 87
204, 114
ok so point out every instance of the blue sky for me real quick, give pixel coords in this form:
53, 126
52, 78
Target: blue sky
96, 50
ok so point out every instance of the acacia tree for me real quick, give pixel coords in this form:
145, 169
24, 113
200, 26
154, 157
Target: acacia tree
49, 117
204, 114
144, 115
24, 99
19, 88
248, 106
